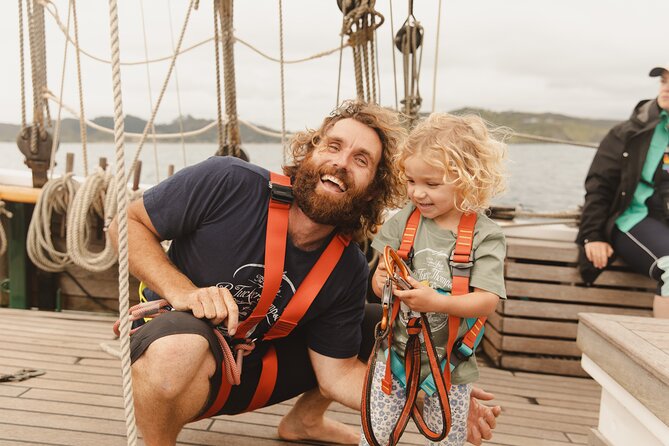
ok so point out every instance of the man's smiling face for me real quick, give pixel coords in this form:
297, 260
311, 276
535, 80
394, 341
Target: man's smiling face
332, 182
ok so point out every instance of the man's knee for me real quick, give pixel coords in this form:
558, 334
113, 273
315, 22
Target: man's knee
172, 364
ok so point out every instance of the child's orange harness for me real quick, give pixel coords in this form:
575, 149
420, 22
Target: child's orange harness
275, 252
461, 262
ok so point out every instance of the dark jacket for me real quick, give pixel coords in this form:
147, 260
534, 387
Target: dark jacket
613, 178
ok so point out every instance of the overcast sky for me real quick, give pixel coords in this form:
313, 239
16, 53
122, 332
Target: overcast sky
587, 58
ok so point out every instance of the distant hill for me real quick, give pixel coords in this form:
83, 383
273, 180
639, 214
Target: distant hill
545, 124
541, 124
69, 130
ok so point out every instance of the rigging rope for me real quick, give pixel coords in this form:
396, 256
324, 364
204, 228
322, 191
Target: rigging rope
408, 40
82, 116
217, 58
392, 43
53, 11
55, 199
359, 25
148, 82
3, 235
163, 89
122, 204
176, 83
56, 133
36, 64
232, 136
283, 87
188, 134
436, 59
24, 121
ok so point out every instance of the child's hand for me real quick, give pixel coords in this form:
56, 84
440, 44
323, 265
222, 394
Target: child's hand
381, 275
422, 298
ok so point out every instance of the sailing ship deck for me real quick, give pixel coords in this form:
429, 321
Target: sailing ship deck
78, 401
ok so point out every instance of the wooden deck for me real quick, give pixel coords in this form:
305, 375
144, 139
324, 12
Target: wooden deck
78, 401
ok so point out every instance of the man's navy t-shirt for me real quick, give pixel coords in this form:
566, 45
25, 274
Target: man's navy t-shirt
215, 213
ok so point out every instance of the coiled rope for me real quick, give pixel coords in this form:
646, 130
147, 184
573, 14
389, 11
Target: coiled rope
55, 199
3, 236
359, 25
94, 198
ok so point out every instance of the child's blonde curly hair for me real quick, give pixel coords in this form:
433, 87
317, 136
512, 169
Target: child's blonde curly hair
463, 146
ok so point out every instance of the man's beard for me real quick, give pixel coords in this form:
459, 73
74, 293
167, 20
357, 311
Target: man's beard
341, 210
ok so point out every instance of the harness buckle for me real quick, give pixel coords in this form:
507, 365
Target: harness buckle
460, 268
282, 194
462, 351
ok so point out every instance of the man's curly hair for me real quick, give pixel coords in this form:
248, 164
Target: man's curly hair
386, 189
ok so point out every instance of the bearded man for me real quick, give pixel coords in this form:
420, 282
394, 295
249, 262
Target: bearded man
219, 217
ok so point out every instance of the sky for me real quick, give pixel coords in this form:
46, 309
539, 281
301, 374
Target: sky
585, 58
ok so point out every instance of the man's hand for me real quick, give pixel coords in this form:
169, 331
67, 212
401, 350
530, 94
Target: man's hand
213, 303
598, 253
482, 419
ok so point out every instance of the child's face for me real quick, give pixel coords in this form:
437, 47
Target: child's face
427, 189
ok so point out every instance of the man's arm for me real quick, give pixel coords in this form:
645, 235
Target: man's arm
150, 264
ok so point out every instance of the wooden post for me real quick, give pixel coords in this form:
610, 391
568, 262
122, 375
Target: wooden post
69, 167
170, 170
103, 163
136, 175
69, 162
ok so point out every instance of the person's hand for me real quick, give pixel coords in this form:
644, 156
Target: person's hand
422, 298
213, 303
598, 253
381, 274
481, 419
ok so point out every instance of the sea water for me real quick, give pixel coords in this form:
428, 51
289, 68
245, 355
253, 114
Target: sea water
541, 177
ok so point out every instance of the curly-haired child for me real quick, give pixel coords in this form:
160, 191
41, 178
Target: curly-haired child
452, 166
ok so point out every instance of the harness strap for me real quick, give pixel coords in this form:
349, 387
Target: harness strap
410, 230
461, 260
309, 288
267, 381
275, 249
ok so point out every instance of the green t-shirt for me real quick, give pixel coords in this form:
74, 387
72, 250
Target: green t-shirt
432, 248
637, 210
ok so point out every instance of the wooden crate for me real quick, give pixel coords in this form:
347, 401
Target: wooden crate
535, 328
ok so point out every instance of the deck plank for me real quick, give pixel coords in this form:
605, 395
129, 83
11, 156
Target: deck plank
79, 399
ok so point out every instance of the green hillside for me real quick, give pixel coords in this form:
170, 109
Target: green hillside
541, 124
549, 125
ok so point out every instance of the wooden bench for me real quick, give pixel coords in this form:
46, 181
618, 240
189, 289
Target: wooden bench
535, 328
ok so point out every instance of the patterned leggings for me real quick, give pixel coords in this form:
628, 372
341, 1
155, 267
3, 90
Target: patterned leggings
385, 409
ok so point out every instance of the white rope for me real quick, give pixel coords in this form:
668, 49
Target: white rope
24, 122
54, 199
148, 81
80, 87
283, 87
160, 136
3, 235
436, 59
392, 49
56, 132
53, 11
122, 203
94, 198
178, 91
163, 89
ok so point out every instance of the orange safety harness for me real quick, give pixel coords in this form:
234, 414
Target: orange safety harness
418, 330
243, 343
